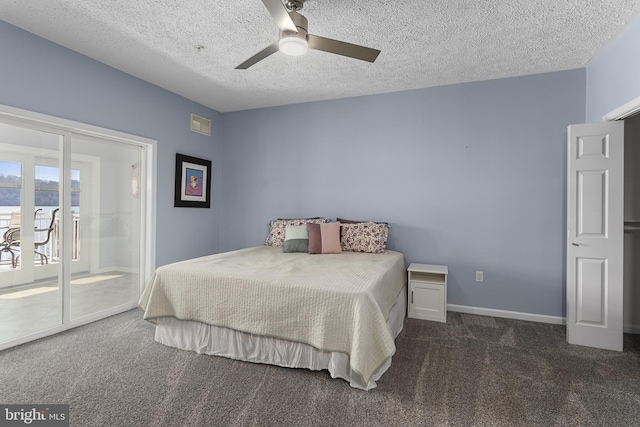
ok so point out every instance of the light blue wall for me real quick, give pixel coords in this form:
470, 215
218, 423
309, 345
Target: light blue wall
41, 76
469, 175
613, 78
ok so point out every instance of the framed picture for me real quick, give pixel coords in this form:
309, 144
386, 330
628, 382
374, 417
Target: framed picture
193, 182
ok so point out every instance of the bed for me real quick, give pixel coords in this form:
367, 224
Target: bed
339, 312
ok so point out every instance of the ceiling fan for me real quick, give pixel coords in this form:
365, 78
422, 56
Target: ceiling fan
294, 39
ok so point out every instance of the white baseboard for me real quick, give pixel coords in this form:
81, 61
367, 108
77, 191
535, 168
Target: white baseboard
507, 314
555, 320
630, 329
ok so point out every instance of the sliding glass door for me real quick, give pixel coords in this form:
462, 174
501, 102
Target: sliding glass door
73, 224
107, 221
30, 286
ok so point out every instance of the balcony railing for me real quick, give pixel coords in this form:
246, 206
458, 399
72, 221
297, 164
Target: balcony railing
52, 248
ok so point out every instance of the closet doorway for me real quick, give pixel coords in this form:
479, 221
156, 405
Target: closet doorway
631, 295
76, 221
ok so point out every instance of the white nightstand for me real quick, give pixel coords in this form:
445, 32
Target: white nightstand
428, 292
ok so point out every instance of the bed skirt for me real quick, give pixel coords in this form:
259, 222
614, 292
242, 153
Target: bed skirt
218, 341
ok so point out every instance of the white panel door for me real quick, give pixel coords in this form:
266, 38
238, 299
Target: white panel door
595, 210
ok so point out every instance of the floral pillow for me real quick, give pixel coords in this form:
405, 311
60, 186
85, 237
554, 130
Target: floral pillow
278, 227
364, 237
351, 221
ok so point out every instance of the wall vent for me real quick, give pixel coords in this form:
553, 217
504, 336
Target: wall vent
200, 125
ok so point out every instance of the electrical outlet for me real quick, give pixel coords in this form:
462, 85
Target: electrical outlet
479, 276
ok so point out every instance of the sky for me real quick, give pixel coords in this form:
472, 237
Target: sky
47, 173
9, 168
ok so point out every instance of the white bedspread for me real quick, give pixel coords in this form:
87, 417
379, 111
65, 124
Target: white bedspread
335, 302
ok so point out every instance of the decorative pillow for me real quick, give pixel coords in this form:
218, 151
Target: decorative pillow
364, 237
296, 219
324, 238
277, 229
350, 221
296, 238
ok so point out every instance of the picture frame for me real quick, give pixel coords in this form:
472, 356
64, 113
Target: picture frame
193, 182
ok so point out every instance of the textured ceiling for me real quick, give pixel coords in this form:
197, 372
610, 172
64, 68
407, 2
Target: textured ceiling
191, 47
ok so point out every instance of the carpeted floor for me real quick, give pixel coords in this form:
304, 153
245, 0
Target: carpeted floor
471, 371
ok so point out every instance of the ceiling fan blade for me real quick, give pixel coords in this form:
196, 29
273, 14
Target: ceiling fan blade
272, 48
342, 48
279, 11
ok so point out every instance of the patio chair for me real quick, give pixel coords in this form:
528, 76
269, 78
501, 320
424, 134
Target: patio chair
11, 238
49, 230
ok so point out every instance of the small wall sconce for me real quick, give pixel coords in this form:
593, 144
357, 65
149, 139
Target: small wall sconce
135, 181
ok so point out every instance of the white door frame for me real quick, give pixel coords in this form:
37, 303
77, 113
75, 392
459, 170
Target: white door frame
629, 109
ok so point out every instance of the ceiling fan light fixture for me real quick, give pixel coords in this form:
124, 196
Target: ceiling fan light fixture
293, 45
295, 40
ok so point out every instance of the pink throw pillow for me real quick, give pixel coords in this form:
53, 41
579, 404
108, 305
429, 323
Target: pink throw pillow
324, 238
